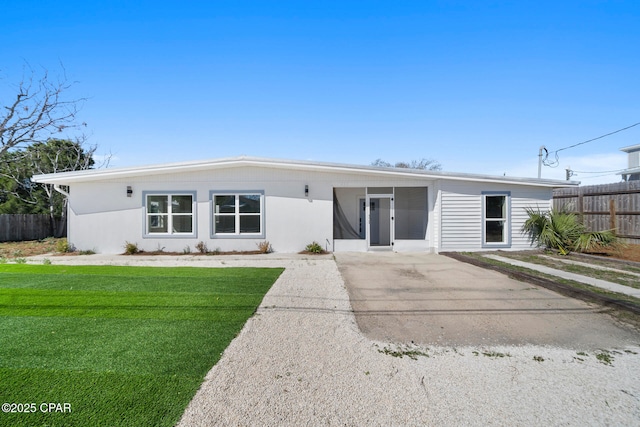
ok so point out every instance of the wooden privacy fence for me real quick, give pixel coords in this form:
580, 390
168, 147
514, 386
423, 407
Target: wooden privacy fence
19, 227
605, 207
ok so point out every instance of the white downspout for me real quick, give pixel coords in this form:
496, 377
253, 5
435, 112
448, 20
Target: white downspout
65, 194
60, 190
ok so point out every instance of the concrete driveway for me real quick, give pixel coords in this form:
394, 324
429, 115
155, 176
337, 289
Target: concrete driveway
435, 300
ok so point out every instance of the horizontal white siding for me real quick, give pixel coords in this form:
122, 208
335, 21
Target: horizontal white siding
461, 213
461, 217
526, 198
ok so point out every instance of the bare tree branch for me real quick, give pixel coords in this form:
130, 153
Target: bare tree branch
38, 111
422, 164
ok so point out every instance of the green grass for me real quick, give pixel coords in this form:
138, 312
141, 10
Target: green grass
124, 346
578, 285
619, 277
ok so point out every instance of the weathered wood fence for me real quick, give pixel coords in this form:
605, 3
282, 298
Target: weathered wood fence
605, 207
20, 227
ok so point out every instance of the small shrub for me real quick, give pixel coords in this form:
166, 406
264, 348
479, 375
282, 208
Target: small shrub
46, 261
186, 250
3, 260
495, 354
604, 357
401, 352
131, 248
202, 247
314, 248
87, 252
63, 246
20, 260
265, 247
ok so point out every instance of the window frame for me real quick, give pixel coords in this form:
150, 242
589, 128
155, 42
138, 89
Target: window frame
506, 242
236, 214
169, 215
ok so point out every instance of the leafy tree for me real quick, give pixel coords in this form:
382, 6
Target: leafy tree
422, 164
37, 110
18, 194
563, 231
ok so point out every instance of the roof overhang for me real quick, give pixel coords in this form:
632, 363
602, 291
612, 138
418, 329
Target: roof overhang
68, 178
631, 148
629, 171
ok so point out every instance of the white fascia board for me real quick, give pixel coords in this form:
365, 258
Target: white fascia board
66, 178
126, 172
630, 148
629, 171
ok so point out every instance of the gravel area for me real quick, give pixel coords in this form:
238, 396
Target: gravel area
301, 360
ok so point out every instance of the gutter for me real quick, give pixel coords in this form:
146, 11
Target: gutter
60, 190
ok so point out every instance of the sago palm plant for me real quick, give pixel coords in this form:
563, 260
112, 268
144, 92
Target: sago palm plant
563, 231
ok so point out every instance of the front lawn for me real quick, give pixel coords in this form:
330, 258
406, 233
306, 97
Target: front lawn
116, 346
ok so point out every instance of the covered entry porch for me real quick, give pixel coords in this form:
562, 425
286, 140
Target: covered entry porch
381, 218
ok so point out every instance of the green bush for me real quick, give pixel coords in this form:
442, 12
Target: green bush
564, 232
63, 246
314, 248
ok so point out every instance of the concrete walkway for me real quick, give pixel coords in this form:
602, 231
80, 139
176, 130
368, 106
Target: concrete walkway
603, 284
587, 265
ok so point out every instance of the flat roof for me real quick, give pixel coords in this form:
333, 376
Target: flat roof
630, 148
67, 178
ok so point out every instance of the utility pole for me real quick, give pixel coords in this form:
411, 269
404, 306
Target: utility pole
542, 147
569, 173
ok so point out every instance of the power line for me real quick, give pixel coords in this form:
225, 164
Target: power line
614, 171
600, 137
555, 163
597, 176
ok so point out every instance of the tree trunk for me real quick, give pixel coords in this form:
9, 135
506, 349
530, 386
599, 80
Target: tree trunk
61, 230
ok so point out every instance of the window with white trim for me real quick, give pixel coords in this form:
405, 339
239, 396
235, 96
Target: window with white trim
169, 214
495, 218
238, 214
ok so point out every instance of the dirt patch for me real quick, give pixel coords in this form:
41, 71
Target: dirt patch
625, 252
28, 248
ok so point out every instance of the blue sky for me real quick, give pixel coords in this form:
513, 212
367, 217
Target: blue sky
477, 85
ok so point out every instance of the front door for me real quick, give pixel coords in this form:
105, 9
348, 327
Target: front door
380, 220
362, 218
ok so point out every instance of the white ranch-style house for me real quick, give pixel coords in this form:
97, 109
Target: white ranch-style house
236, 203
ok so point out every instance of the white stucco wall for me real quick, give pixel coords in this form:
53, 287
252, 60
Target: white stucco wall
102, 218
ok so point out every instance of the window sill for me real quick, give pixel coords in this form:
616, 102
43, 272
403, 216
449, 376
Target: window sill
496, 245
238, 236
169, 236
